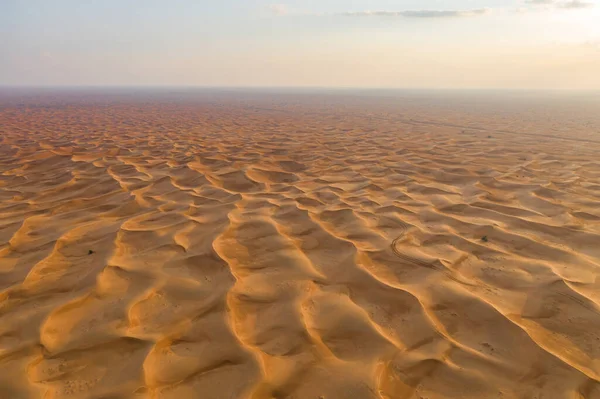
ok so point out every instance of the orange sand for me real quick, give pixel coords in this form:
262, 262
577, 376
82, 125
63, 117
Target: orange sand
239, 245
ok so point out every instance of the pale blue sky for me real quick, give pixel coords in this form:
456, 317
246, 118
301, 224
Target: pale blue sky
360, 43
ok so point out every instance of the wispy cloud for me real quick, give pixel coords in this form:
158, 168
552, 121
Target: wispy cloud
564, 4
419, 13
279, 9
282, 9
575, 4
595, 45
529, 5
540, 2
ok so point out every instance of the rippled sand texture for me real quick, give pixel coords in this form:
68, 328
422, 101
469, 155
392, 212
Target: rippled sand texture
215, 245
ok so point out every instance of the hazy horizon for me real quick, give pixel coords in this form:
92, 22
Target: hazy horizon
301, 88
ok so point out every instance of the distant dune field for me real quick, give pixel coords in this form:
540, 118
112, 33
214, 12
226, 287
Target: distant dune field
320, 245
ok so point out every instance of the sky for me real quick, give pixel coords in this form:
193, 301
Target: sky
433, 44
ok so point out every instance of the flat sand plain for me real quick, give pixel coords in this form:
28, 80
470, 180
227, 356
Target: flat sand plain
264, 245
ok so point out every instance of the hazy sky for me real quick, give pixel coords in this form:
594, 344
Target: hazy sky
348, 43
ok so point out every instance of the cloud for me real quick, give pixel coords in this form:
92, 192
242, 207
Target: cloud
530, 5
419, 13
594, 45
278, 9
564, 4
573, 4
283, 9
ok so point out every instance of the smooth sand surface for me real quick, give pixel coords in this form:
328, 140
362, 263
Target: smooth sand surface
238, 245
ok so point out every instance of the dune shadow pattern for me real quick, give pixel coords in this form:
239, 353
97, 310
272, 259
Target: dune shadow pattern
245, 247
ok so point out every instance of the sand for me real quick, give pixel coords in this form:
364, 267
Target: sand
304, 245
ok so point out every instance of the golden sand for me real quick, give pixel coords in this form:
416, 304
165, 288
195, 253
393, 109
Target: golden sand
239, 245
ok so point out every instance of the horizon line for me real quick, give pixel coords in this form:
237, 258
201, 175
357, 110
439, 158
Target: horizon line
291, 87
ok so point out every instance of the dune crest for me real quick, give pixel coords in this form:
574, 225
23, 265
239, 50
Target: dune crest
262, 246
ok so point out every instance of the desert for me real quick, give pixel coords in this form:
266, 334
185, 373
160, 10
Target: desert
299, 244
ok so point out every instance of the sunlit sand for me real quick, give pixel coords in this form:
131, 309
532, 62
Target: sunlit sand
303, 245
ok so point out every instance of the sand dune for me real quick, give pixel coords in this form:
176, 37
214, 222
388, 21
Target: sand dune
298, 246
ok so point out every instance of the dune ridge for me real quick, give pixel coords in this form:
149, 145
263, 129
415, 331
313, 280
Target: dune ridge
294, 246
